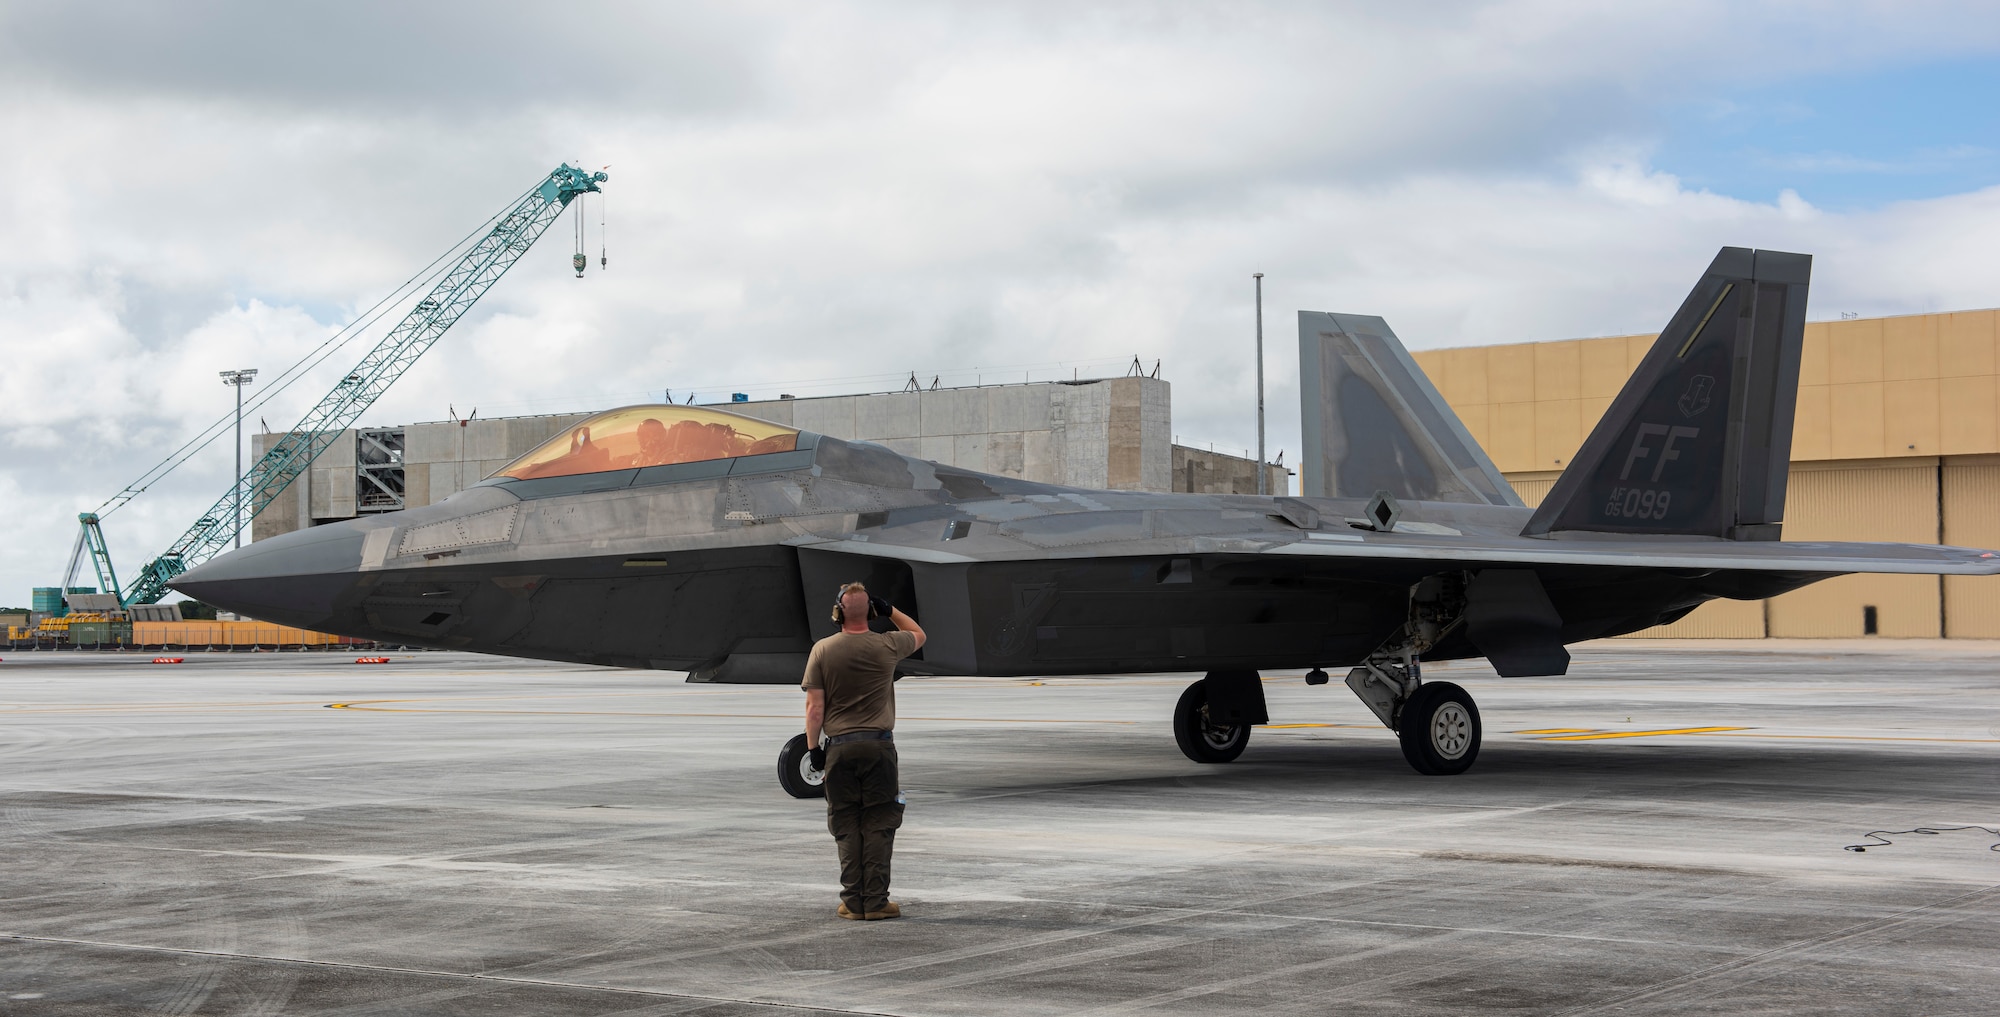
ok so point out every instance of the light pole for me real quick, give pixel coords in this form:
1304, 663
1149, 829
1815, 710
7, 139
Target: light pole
239, 379
1263, 481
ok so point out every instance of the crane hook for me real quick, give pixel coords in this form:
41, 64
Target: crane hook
579, 260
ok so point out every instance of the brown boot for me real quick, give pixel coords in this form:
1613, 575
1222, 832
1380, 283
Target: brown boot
890, 909
849, 915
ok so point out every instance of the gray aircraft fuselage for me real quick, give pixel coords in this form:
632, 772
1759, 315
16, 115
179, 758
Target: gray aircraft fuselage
727, 570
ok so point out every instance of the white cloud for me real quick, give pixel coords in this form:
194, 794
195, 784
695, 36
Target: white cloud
822, 198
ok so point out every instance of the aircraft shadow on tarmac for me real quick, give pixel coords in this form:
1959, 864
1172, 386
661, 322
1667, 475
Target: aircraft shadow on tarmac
1303, 770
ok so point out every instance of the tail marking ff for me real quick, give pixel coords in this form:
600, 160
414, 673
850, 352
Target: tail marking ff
1699, 441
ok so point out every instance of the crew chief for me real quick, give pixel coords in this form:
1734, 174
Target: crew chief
850, 685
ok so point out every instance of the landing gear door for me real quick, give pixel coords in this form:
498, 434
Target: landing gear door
823, 573
945, 594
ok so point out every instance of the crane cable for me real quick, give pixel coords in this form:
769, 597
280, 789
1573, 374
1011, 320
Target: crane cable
207, 436
318, 355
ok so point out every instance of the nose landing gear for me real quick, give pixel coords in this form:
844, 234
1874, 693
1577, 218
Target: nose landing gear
1212, 721
1202, 739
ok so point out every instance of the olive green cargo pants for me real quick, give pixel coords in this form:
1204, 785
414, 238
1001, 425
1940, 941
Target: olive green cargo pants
863, 814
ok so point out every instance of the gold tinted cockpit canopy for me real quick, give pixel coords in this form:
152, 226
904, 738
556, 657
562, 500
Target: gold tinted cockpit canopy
636, 436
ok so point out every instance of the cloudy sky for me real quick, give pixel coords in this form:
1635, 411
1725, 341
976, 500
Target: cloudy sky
820, 198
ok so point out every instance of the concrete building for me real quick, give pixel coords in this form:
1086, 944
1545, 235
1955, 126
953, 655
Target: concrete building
1112, 433
1206, 471
1897, 437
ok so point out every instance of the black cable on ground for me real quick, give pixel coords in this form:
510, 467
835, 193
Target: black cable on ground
1881, 837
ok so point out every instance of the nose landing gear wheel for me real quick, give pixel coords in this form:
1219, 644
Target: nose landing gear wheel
1200, 740
795, 770
1439, 729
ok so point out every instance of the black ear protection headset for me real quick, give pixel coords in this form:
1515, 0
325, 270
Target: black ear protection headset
840, 613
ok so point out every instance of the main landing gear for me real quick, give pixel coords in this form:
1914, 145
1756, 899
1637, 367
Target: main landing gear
1437, 723
1439, 729
795, 770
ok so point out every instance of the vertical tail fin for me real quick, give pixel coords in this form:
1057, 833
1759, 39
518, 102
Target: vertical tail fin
1699, 441
1373, 421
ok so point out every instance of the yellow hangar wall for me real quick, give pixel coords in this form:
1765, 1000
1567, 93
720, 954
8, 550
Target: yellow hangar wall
1897, 437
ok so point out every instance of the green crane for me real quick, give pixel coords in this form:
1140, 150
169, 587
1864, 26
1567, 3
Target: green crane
483, 264
90, 543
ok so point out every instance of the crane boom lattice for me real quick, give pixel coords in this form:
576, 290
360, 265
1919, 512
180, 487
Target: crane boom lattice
454, 294
90, 544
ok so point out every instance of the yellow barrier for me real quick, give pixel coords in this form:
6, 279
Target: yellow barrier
229, 633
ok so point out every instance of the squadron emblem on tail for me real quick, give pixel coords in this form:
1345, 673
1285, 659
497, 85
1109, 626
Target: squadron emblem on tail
1695, 399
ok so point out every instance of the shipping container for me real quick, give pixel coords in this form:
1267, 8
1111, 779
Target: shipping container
92, 634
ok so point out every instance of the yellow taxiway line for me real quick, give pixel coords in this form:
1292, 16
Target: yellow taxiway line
1600, 735
1575, 734
1866, 738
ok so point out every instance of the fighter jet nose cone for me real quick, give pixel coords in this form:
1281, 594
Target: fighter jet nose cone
294, 578
197, 576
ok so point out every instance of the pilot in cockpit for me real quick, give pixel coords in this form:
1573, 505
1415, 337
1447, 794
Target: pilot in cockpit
637, 437
693, 441
585, 456
654, 448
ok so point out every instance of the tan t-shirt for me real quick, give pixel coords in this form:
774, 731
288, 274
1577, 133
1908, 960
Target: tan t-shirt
858, 672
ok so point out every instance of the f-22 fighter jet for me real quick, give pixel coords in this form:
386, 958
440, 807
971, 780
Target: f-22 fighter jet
690, 539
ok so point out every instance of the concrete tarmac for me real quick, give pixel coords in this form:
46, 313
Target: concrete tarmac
1660, 831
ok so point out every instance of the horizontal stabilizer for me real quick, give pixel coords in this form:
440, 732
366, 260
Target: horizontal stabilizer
1373, 421
1699, 441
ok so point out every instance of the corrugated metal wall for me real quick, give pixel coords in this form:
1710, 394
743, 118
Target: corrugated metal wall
1972, 519
1533, 487
1717, 619
1887, 500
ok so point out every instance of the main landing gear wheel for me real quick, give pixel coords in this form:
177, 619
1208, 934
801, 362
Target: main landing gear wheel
1200, 740
796, 773
1439, 729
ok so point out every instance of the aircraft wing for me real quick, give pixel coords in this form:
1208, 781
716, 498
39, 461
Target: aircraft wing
1764, 556
1821, 558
